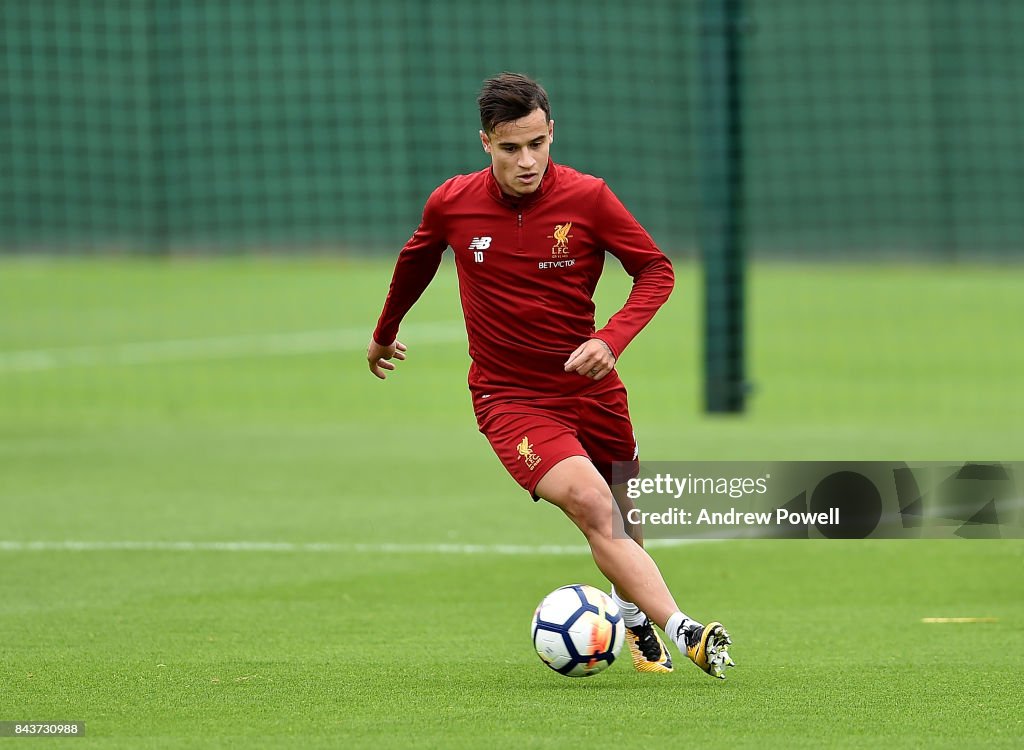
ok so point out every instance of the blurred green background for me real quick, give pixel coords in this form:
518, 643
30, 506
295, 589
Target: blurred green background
881, 146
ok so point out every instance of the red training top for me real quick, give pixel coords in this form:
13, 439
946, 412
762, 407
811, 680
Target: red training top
527, 270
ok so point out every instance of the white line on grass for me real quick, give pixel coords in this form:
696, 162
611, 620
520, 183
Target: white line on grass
224, 347
383, 548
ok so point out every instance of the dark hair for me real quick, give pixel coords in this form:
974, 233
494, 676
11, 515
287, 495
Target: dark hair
508, 97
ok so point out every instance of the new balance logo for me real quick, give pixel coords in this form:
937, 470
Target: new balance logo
480, 243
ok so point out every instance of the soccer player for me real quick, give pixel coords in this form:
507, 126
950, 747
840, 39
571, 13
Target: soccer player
530, 238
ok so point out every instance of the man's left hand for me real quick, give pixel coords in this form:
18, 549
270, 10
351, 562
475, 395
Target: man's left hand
593, 359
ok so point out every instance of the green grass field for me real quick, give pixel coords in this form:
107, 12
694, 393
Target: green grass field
218, 529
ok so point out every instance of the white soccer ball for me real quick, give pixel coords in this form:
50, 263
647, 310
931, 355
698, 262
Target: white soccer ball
578, 630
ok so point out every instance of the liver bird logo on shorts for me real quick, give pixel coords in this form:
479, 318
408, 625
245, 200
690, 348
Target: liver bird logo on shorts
525, 449
561, 238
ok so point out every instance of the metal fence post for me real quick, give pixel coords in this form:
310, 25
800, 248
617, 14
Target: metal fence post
720, 134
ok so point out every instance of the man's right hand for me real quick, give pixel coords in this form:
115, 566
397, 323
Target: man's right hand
378, 356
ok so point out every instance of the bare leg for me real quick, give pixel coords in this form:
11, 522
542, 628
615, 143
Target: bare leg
575, 486
635, 531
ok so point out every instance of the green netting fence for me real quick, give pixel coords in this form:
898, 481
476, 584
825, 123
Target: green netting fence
881, 128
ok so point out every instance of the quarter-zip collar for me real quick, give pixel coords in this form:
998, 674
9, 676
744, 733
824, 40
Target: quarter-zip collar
547, 185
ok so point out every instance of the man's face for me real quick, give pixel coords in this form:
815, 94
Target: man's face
519, 152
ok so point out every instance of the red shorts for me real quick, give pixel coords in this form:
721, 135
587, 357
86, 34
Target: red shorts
532, 435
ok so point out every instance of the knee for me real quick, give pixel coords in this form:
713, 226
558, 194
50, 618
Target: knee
590, 508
